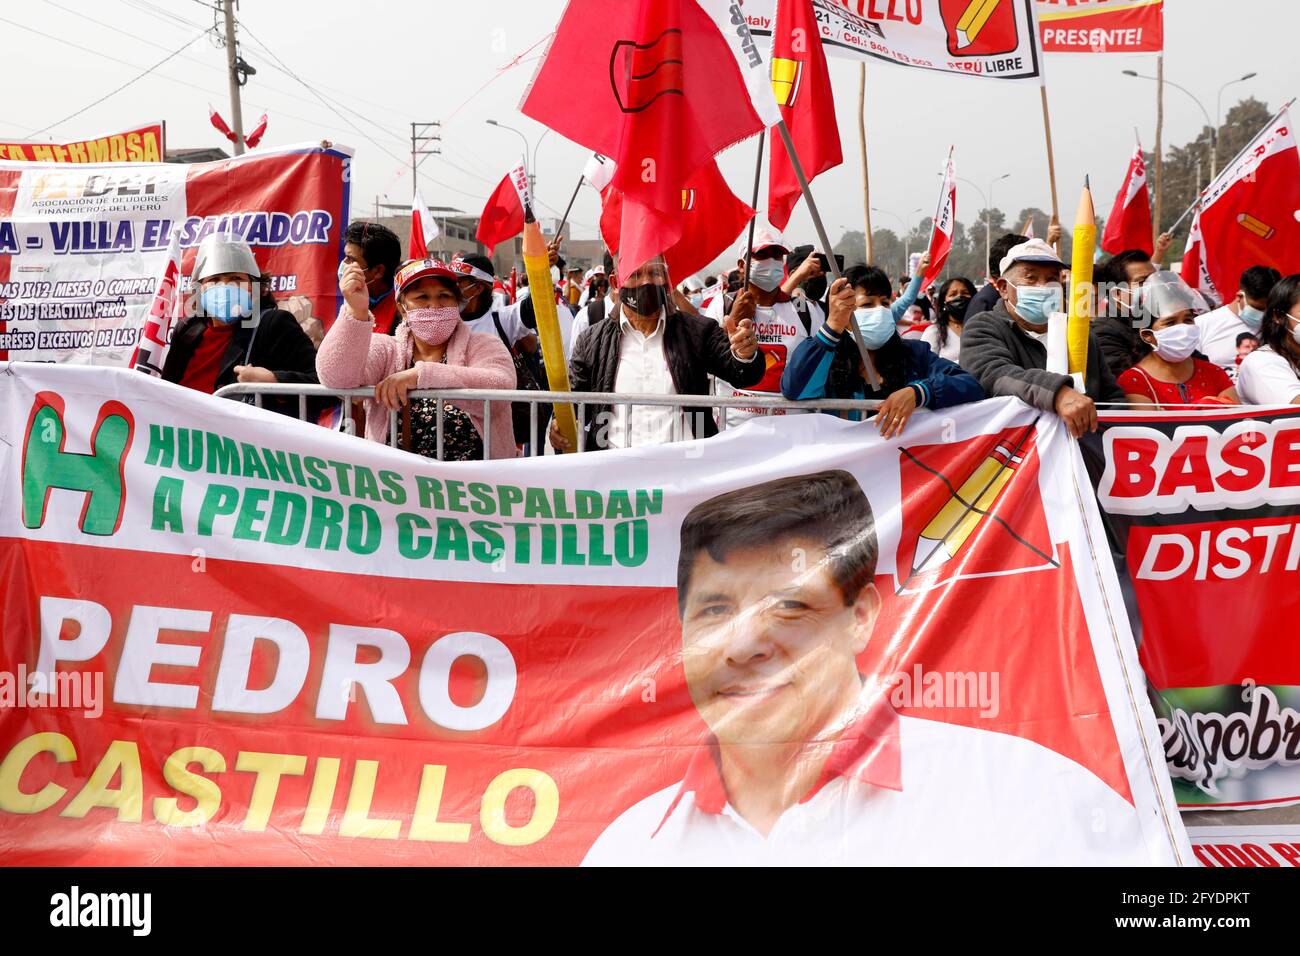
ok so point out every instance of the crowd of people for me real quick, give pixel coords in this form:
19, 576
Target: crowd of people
773, 327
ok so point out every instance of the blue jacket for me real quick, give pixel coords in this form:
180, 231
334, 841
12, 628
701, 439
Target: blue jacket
939, 382
898, 308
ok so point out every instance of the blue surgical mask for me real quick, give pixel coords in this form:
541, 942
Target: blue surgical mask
1035, 303
876, 325
226, 303
1252, 318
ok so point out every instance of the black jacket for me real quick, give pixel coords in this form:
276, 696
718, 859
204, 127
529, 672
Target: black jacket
1008, 361
694, 347
279, 344
1120, 343
986, 300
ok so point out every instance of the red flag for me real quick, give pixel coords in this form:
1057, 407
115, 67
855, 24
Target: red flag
215, 119
1129, 223
252, 139
1194, 270
660, 87
712, 216
1247, 214
944, 218
802, 85
503, 216
423, 228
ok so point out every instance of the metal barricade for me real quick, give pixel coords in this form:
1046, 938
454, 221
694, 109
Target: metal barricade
700, 404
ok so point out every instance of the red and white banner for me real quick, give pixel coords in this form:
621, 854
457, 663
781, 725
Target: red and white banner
424, 228
265, 642
503, 217
1129, 224
1262, 846
1102, 26
140, 144
992, 38
944, 222
1248, 214
82, 246
1203, 511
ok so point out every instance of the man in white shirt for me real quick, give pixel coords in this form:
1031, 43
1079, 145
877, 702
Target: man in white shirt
782, 322
602, 302
807, 762
1270, 375
1220, 328
481, 311
651, 347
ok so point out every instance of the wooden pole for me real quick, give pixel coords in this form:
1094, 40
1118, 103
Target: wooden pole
753, 203
862, 139
1160, 148
1051, 162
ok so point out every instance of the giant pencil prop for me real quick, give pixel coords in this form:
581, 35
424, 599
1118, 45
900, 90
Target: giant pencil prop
1081, 291
537, 263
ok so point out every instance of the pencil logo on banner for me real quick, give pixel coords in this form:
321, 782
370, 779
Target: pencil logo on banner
1255, 226
786, 75
980, 27
688, 199
949, 500
640, 73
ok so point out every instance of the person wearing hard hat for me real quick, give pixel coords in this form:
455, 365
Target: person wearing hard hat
234, 331
781, 322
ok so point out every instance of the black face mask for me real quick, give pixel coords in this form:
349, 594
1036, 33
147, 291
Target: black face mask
815, 289
477, 307
957, 307
645, 299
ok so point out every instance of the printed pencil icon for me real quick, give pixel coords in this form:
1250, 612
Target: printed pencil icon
1251, 224
785, 80
950, 529
972, 22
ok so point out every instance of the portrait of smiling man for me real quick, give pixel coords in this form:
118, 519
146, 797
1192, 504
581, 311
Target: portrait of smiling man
806, 762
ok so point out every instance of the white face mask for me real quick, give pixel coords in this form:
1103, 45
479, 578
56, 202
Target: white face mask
766, 273
1177, 342
1295, 329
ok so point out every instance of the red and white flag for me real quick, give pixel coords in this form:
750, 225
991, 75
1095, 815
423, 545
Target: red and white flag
423, 229
151, 349
599, 172
945, 218
1248, 214
801, 84
1129, 223
1194, 270
503, 216
1028, 230
660, 87
713, 216
220, 124
252, 139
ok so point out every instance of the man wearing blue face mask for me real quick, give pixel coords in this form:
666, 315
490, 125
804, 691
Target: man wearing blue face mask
904, 375
1006, 349
233, 331
1244, 314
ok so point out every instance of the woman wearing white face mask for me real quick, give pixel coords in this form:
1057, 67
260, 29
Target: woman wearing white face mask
1270, 375
1171, 374
904, 373
432, 348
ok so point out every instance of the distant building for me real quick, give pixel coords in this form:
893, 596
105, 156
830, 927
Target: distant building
202, 154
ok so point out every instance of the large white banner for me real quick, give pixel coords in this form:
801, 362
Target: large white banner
992, 38
792, 643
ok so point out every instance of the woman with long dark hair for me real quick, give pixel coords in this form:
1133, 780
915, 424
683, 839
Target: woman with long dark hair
1270, 375
904, 374
944, 334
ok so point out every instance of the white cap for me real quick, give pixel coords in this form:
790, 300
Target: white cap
1034, 250
765, 237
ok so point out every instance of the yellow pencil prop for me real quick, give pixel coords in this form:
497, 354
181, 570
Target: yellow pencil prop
537, 263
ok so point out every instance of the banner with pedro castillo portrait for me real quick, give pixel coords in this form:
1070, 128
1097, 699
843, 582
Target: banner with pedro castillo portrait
233, 638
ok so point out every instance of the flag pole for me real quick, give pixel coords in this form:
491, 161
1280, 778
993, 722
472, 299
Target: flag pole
1051, 162
1160, 139
862, 139
872, 377
753, 204
569, 208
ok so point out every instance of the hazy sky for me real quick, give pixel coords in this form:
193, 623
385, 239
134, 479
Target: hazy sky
395, 61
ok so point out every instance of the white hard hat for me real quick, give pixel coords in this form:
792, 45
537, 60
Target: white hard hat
224, 252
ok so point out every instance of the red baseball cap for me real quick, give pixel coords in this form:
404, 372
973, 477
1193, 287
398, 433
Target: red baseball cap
414, 269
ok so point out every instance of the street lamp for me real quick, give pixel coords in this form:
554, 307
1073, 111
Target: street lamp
988, 208
907, 231
532, 178
1213, 124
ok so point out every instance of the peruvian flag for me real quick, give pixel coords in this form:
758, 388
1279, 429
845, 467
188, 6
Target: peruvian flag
1248, 214
802, 86
423, 228
660, 87
599, 172
221, 126
151, 349
252, 139
944, 219
1129, 223
503, 216
1194, 271
711, 213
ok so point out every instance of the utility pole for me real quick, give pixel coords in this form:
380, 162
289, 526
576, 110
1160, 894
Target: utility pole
418, 138
233, 73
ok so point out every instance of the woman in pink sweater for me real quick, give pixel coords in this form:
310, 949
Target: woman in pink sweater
432, 348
